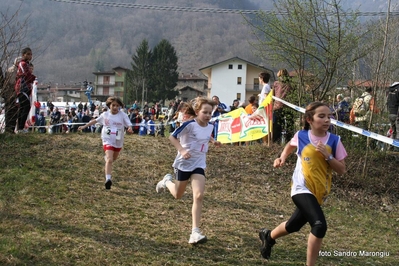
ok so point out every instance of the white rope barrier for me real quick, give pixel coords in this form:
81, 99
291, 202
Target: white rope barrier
358, 130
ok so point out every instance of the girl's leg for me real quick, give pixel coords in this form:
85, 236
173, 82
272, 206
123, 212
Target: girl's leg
198, 187
109, 158
279, 231
314, 246
311, 209
177, 188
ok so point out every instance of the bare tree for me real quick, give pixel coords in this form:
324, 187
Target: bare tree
12, 35
383, 66
316, 38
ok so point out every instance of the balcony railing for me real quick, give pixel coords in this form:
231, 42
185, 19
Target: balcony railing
252, 87
104, 83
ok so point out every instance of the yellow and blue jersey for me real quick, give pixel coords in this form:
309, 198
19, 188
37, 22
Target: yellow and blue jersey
313, 173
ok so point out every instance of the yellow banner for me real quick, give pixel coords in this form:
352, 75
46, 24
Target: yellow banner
236, 126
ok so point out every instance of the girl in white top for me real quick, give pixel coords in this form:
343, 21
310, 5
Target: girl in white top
191, 141
114, 122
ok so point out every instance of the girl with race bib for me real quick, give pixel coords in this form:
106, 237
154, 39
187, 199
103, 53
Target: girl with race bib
114, 122
191, 141
319, 153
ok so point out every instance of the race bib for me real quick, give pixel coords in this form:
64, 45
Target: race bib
199, 147
112, 134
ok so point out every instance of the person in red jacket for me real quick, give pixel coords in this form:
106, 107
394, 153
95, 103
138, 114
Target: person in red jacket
23, 87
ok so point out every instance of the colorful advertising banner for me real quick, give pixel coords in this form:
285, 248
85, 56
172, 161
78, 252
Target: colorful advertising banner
237, 126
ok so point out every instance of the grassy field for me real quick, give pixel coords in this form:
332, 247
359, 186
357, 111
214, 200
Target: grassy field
55, 211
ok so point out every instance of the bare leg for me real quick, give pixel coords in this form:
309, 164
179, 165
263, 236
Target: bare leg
314, 246
279, 231
198, 186
109, 158
177, 188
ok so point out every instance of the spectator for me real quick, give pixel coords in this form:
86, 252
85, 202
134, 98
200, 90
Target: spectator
170, 114
9, 95
361, 112
282, 117
67, 108
393, 109
219, 109
135, 118
342, 110
143, 126
73, 107
23, 87
248, 108
135, 105
86, 118
41, 122
151, 126
161, 128
264, 78
55, 118
235, 105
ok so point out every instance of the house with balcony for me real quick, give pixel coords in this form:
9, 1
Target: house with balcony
110, 83
60, 93
234, 78
191, 86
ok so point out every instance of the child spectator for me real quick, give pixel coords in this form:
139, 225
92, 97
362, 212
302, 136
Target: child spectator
23, 87
151, 126
143, 126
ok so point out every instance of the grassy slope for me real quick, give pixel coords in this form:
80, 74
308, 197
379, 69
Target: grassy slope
55, 211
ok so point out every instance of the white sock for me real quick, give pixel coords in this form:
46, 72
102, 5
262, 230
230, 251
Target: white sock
196, 229
107, 177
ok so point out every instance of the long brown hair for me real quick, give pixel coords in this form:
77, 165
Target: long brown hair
310, 111
113, 99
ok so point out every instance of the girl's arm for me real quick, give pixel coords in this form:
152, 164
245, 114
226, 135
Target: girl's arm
176, 143
215, 142
288, 149
337, 166
92, 122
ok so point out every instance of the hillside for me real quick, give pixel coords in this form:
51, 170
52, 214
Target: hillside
69, 40
55, 211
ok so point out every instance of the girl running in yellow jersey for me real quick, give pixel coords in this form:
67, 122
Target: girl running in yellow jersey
319, 153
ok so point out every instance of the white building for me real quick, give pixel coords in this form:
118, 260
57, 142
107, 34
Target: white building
234, 78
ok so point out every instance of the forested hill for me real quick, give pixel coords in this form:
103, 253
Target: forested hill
70, 40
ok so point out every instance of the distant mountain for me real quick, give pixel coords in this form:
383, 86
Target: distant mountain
70, 40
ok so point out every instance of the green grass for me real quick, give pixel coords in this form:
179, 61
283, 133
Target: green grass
55, 211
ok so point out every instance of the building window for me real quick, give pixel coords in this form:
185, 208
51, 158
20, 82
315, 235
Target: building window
239, 66
238, 96
256, 84
239, 81
106, 91
230, 66
106, 79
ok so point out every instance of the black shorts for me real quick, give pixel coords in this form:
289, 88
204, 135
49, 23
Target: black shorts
184, 176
